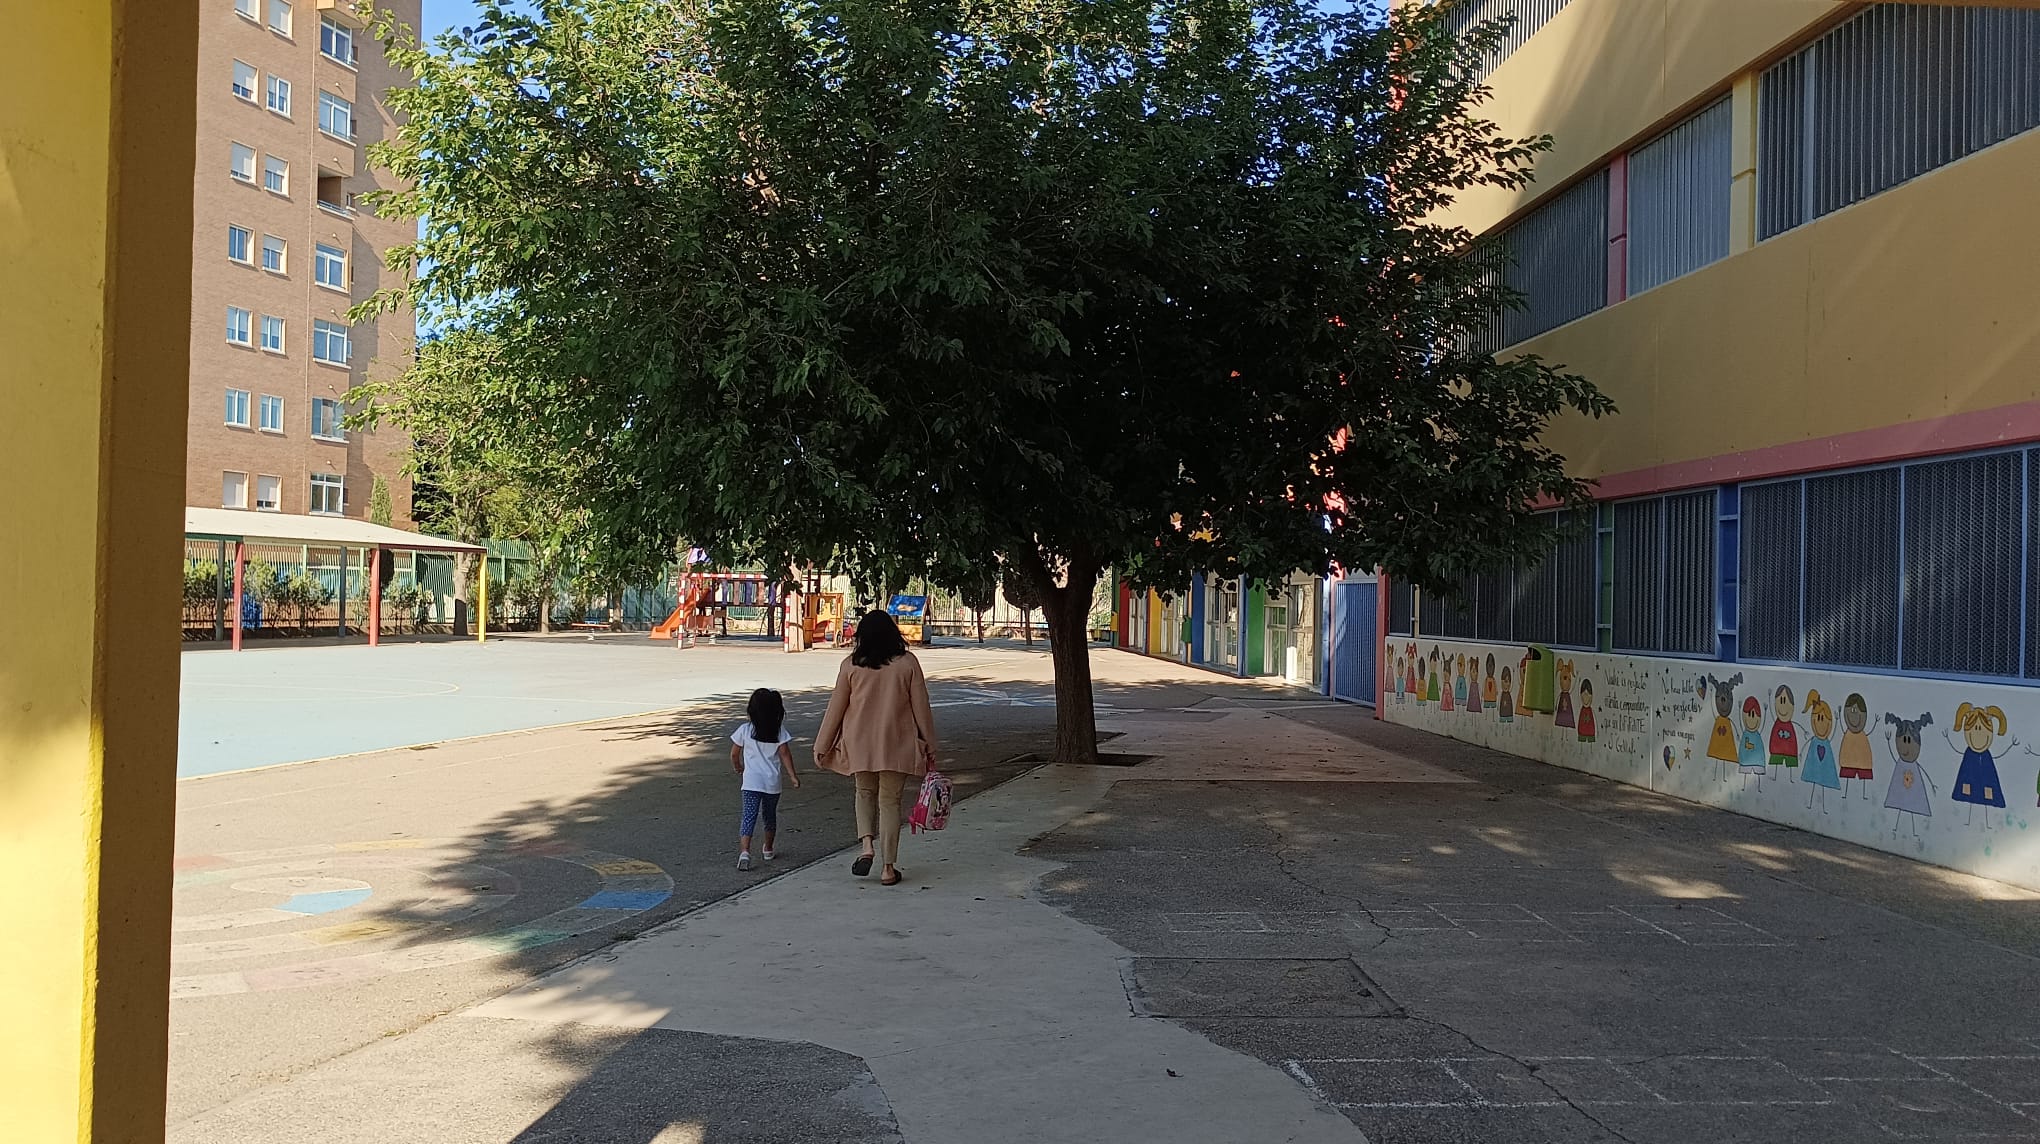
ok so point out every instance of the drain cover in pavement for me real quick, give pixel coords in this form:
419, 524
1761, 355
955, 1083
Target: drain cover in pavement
1216, 987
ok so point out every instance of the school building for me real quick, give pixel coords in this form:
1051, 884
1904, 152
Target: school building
1796, 241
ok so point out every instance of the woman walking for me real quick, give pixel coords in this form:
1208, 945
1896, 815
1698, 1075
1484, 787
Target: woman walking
879, 730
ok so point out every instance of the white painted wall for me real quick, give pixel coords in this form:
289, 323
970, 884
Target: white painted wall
1654, 720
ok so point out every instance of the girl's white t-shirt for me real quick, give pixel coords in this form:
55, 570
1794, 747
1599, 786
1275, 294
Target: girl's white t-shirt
761, 759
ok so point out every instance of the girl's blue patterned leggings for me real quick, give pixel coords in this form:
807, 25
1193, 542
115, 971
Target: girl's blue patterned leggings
757, 802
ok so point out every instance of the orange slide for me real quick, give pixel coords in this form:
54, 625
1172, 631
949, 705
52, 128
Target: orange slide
691, 594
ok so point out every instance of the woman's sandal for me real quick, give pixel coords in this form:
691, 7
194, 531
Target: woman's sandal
862, 866
892, 879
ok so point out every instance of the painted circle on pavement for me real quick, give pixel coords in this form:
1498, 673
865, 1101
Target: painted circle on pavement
334, 913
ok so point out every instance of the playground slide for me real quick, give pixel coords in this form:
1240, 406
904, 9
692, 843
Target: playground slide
681, 615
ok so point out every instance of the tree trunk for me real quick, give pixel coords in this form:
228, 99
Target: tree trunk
463, 567
545, 607
1027, 626
1069, 647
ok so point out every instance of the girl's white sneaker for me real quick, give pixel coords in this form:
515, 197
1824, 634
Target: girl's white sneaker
769, 855
744, 860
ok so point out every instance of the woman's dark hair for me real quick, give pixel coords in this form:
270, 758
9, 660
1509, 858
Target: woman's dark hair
767, 712
879, 641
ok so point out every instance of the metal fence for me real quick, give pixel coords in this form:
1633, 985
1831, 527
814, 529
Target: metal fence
1896, 92
1529, 17
1679, 199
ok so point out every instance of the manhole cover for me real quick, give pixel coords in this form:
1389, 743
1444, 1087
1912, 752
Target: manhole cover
1206, 987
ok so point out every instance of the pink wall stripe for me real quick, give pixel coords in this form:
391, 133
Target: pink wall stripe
1978, 429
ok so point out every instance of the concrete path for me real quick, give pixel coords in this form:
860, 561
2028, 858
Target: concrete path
1290, 923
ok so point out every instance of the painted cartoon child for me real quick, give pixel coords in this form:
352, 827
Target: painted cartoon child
1487, 691
1586, 727
1784, 732
1822, 771
1414, 661
1445, 689
1977, 782
1459, 682
1399, 686
1563, 716
1750, 758
1858, 760
1508, 704
1721, 744
1910, 783
1432, 685
1475, 704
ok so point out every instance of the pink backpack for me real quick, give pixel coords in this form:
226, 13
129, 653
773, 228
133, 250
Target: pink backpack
931, 810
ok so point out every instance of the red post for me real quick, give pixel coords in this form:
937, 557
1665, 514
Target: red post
240, 561
374, 596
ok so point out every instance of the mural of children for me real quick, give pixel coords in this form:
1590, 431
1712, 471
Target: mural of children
1487, 691
1586, 711
1459, 682
1413, 661
1397, 668
1977, 783
1857, 758
1474, 703
1784, 732
1508, 705
1563, 717
1721, 744
1431, 684
1446, 687
1822, 772
1750, 758
1909, 780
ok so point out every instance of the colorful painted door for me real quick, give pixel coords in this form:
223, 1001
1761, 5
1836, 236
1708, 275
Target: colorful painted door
1355, 643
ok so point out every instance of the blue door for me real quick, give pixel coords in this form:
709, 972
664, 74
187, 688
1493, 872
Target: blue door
1355, 644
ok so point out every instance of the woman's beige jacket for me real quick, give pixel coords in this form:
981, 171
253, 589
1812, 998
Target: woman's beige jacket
878, 720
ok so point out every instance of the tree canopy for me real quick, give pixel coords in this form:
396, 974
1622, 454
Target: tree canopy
1152, 284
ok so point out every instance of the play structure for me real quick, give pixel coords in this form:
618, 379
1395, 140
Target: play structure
911, 614
705, 599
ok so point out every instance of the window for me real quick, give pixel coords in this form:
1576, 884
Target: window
336, 41
1892, 94
249, 8
272, 413
1556, 258
272, 333
279, 17
268, 494
1921, 567
233, 490
329, 266
1528, 17
238, 322
240, 244
278, 97
1679, 199
244, 81
243, 166
1665, 574
329, 494
329, 343
237, 408
336, 116
273, 251
275, 175
1550, 602
326, 420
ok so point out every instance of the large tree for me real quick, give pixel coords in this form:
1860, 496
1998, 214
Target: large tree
1068, 283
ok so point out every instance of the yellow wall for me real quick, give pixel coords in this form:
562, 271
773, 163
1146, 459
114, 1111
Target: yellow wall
95, 144
1912, 304
1605, 74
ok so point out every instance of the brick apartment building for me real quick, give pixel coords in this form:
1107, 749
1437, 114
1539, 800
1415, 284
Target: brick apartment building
290, 97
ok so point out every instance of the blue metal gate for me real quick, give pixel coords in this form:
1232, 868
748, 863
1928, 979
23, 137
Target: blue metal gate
1355, 643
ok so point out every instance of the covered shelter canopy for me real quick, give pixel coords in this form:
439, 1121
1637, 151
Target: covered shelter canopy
240, 526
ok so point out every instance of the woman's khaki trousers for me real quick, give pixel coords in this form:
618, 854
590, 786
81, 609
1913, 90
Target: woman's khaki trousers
878, 811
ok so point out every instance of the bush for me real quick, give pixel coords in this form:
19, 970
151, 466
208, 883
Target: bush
201, 592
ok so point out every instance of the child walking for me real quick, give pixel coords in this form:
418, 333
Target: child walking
759, 752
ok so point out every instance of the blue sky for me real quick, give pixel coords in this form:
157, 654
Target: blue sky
443, 14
